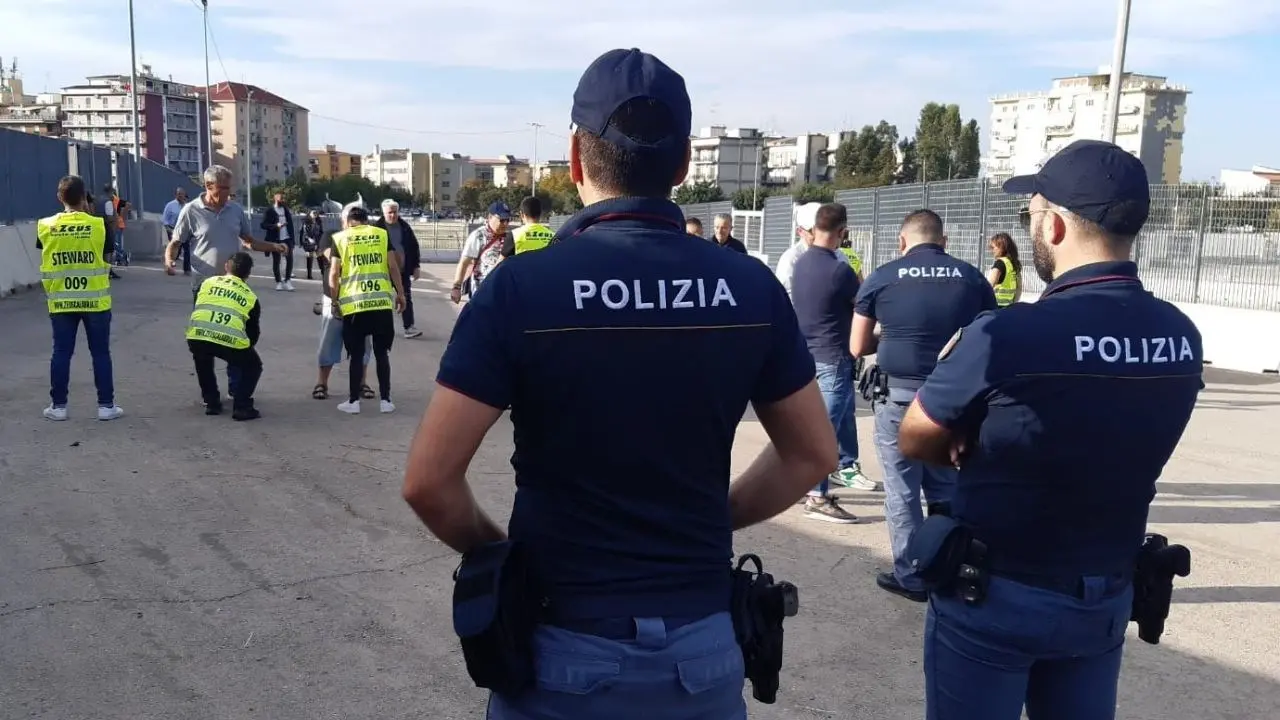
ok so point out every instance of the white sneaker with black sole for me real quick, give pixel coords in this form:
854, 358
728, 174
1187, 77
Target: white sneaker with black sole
412, 332
828, 510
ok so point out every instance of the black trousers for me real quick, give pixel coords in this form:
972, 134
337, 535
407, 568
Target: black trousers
381, 326
246, 362
288, 264
406, 278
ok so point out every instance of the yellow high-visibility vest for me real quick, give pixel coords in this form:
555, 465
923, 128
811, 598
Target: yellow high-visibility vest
855, 261
1007, 289
73, 271
365, 284
221, 315
533, 236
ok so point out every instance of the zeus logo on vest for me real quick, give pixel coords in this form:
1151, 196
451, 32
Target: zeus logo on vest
654, 294
1147, 350
938, 271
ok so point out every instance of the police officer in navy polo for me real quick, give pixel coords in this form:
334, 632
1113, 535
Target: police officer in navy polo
919, 301
627, 353
1062, 415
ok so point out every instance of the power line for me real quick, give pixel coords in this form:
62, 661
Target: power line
417, 132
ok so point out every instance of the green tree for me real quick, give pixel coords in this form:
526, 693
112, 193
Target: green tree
909, 167
561, 191
869, 158
702, 191
947, 148
470, 202
813, 192
750, 198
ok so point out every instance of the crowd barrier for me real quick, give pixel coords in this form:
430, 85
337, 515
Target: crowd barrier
20, 260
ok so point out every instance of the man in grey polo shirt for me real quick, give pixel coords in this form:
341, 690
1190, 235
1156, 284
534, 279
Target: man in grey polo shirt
214, 228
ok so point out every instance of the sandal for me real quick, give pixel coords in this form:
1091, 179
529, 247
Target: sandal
320, 392
367, 392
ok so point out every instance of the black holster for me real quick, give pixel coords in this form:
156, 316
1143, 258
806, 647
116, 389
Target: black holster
947, 558
1158, 562
495, 610
873, 384
758, 607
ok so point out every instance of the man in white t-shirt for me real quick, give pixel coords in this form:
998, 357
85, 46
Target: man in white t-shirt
806, 216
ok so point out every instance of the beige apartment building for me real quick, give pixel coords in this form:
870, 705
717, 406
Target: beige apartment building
332, 162
437, 175
260, 130
504, 171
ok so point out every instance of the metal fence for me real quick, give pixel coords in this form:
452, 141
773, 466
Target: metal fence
1199, 244
30, 167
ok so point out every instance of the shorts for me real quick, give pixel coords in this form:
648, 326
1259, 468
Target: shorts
330, 352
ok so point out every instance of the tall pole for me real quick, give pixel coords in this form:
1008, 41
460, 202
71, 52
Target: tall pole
755, 186
208, 89
137, 132
248, 151
1117, 73
533, 175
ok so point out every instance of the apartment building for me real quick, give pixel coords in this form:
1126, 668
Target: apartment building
437, 175
729, 157
803, 159
1257, 180
550, 168
503, 171
33, 114
171, 118
332, 162
256, 129
1027, 128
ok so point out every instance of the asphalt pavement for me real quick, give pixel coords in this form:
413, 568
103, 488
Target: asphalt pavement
173, 565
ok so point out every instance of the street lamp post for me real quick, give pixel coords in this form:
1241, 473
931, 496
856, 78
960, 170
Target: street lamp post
533, 176
137, 132
248, 151
208, 88
1117, 73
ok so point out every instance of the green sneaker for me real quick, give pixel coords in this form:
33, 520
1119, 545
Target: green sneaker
853, 478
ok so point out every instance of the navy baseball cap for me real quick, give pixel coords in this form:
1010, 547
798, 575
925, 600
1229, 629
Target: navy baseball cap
501, 210
1097, 181
619, 76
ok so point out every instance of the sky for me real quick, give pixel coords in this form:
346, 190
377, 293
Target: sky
469, 77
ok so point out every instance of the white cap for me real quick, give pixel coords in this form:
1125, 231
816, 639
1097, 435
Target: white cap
807, 216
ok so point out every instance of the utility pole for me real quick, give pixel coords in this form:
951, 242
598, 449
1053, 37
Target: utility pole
533, 175
1117, 73
208, 89
138, 202
248, 151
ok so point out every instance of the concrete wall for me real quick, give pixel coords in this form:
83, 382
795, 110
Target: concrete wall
20, 261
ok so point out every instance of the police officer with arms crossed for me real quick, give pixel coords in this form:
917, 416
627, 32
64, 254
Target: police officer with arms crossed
628, 354
919, 300
1062, 414
225, 324
365, 281
75, 273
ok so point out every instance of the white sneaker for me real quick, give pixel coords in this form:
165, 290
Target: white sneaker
350, 408
109, 413
386, 406
55, 413
288, 285
412, 332
279, 286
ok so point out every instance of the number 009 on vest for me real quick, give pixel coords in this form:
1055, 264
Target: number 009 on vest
222, 311
73, 271
366, 274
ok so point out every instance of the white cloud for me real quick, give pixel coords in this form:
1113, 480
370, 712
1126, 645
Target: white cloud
812, 65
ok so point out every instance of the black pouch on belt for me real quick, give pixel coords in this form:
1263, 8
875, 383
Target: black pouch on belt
495, 610
938, 550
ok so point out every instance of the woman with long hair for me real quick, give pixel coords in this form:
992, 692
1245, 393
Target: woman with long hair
1005, 274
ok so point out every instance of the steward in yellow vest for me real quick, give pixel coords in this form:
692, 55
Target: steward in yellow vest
225, 325
75, 274
855, 261
365, 281
1009, 285
1005, 274
531, 235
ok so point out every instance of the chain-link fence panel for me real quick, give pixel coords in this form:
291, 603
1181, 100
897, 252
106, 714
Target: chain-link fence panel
779, 228
893, 203
748, 226
861, 208
959, 204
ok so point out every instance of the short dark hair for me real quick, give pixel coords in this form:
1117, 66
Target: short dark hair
358, 214
924, 222
531, 207
71, 191
831, 217
693, 221
636, 173
241, 264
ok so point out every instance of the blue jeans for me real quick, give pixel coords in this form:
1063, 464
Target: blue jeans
904, 480
693, 672
1058, 654
836, 382
97, 331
